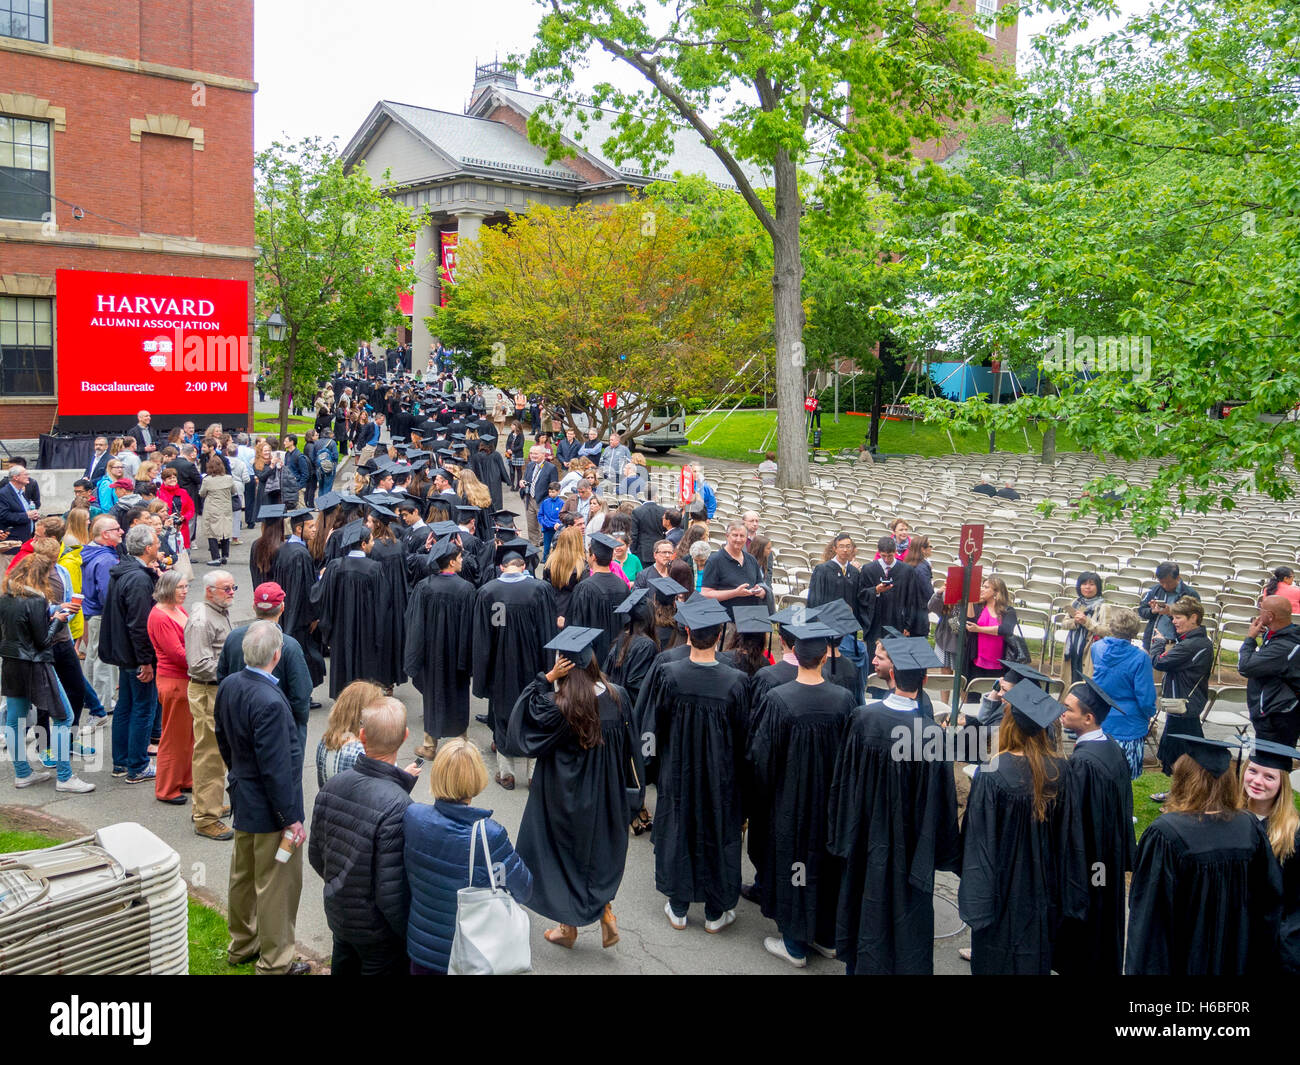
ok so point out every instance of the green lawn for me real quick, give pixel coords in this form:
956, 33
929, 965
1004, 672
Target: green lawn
269, 423
1146, 811
208, 931
742, 433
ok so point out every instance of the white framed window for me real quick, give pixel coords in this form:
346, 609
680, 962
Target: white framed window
24, 168
28, 20
26, 346
985, 13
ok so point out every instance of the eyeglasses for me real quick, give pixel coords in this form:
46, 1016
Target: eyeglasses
227, 588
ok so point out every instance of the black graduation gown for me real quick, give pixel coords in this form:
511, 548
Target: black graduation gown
905, 606
1205, 898
893, 823
390, 555
1091, 939
632, 673
700, 714
842, 672
573, 836
1289, 934
793, 743
1011, 874
334, 545
294, 570
439, 625
514, 619
592, 606
352, 601
769, 677
829, 583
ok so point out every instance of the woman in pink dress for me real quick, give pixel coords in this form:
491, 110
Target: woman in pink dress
989, 621
167, 634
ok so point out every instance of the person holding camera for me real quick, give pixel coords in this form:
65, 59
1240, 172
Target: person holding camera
1155, 604
1186, 662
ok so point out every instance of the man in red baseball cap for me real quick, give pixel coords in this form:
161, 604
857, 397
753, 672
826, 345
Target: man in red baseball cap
290, 672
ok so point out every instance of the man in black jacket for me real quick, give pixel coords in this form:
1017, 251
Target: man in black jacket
647, 530
124, 642
259, 743
17, 512
532, 489
1272, 672
356, 847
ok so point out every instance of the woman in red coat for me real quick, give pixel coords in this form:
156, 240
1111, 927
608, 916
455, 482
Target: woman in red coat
179, 503
167, 634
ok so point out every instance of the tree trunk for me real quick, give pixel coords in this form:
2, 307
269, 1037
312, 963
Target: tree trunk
875, 414
1049, 445
788, 318
286, 385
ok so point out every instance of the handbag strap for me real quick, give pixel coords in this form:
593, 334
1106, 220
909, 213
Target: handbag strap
479, 832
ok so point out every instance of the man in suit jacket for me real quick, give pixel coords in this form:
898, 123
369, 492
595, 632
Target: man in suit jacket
146, 440
532, 488
17, 514
259, 743
98, 460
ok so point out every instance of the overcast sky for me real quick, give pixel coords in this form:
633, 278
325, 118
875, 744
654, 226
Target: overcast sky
322, 64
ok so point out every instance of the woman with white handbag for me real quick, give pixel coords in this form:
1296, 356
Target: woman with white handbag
585, 789
449, 887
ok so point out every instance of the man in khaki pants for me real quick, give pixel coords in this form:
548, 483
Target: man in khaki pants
205, 635
258, 739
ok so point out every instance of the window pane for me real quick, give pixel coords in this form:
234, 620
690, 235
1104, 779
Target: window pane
8, 333
40, 133
6, 154
42, 309
40, 159
22, 157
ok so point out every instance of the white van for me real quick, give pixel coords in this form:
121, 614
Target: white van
663, 430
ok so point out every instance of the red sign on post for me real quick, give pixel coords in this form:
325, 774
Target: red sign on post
952, 584
686, 487
970, 544
610, 400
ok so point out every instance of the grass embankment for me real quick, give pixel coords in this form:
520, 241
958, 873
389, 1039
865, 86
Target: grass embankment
737, 437
208, 931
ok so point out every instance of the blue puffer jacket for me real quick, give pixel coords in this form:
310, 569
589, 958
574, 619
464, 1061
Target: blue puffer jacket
437, 866
1124, 673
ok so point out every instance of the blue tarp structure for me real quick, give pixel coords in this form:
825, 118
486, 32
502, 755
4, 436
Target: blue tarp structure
959, 381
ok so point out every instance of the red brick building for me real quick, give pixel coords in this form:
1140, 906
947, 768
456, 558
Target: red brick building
126, 145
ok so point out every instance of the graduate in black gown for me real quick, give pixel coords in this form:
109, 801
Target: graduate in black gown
593, 601
389, 553
294, 570
1100, 786
628, 664
573, 835
261, 556
351, 516
1206, 895
514, 619
891, 593
794, 740
439, 627
1267, 792
837, 577
1013, 840
351, 601
893, 822
700, 710
839, 668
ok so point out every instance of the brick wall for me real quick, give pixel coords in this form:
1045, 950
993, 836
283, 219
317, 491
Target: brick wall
584, 168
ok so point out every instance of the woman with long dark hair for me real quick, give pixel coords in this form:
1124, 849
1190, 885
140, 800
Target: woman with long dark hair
628, 664
266, 546
584, 791
1013, 841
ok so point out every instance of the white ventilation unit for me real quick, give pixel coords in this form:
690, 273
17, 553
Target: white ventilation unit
110, 903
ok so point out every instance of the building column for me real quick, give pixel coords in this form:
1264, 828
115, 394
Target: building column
425, 293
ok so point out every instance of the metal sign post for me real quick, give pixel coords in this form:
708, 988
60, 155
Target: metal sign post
970, 546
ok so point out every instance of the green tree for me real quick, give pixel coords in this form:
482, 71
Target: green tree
330, 250
1147, 188
572, 303
854, 84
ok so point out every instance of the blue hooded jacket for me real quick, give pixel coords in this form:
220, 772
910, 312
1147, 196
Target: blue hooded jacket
1123, 672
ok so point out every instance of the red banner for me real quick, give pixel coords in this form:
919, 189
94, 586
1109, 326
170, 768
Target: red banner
610, 399
169, 345
447, 274
406, 300
686, 487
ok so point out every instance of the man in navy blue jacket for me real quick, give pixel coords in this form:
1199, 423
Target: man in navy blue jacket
259, 743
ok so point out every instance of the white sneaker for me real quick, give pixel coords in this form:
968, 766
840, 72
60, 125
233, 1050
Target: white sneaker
30, 779
776, 945
825, 952
677, 922
75, 784
721, 922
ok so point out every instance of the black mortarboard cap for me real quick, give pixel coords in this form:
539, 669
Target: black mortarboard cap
666, 586
911, 652
752, 620
504, 515
1093, 697
297, 515
350, 499
381, 511
795, 614
1214, 756
839, 616
892, 633
703, 614
328, 501
444, 548
351, 534
811, 630
1018, 671
1032, 707
467, 508
605, 541
1273, 755
445, 528
631, 602
574, 643
439, 471
270, 511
